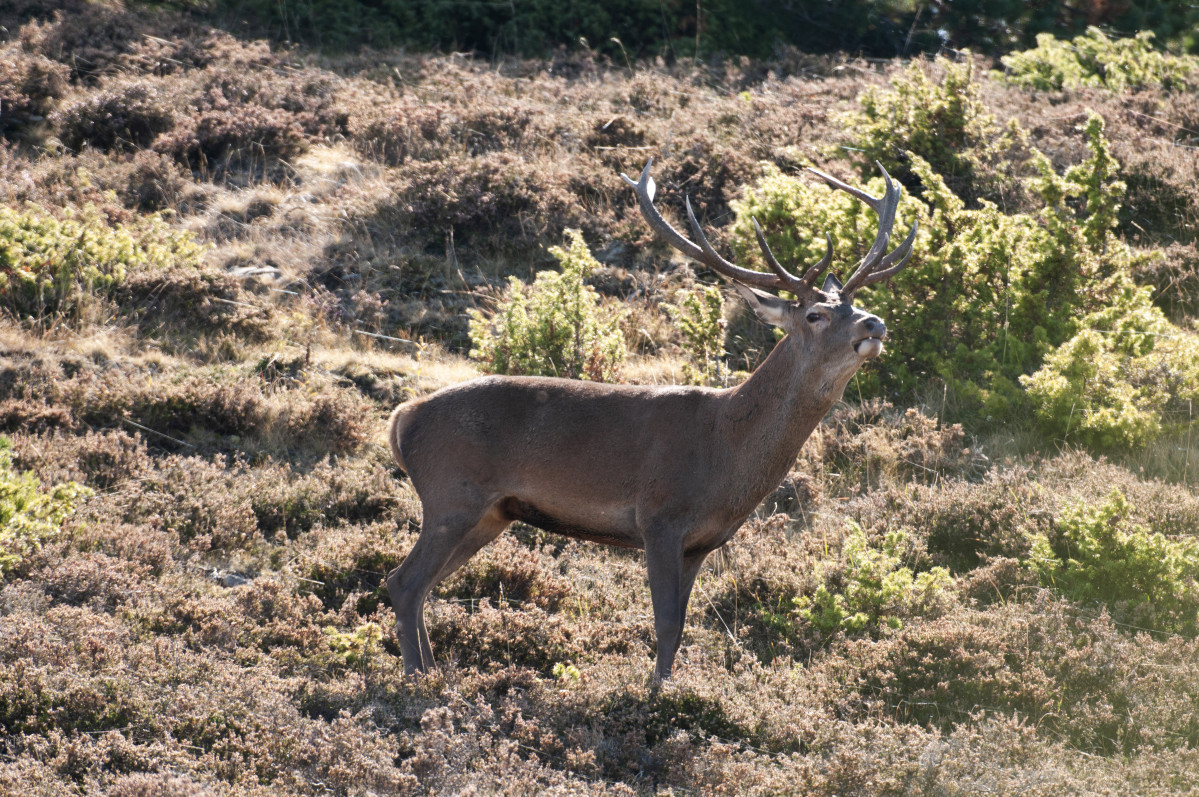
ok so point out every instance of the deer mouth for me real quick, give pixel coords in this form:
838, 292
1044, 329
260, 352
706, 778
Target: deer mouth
869, 347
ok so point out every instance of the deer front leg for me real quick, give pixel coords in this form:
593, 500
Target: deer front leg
664, 563
691, 566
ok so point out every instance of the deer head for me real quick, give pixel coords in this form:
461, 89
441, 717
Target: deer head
823, 318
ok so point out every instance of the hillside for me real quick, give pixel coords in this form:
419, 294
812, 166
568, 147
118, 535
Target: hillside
223, 263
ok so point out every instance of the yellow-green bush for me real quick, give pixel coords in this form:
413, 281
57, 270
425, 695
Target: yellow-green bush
1093, 59
699, 315
29, 514
1096, 554
49, 264
555, 327
986, 294
1118, 381
875, 590
946, 123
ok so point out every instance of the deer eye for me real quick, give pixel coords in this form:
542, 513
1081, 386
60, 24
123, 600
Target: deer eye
814, 318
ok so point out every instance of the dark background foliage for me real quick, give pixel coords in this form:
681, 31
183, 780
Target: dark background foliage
882, 28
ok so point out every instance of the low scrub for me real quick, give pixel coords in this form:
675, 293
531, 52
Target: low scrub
699, 315
1097, 555
940, 119
959, 523
555, 327
872, 589
29, 87
51, 265
30, 514
1094, 59
1128, 376
865, 445
236, 120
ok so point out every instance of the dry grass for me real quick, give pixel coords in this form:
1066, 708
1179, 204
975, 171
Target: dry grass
214, 621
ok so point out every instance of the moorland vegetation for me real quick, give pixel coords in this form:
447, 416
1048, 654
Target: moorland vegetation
224, 261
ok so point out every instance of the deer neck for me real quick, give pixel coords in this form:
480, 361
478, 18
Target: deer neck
770, 415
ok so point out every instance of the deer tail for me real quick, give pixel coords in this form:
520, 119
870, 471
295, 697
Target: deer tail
395, 429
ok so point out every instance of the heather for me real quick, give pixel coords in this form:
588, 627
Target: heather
225, 261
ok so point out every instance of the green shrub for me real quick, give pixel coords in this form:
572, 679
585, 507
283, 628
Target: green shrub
1098, 555
30, 515
986, 295
555, 327
1117, 383
699, 315
946, 123
49, 265
357, 646
875, 589
1093, 59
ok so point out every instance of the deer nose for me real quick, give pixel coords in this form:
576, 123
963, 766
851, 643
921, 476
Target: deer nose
875, 327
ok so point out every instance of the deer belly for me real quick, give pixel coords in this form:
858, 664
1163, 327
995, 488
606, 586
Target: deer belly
611, 525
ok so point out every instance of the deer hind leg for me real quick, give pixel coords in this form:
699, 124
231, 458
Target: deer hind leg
445, 544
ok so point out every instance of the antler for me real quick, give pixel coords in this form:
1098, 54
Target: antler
781, 279
876, 266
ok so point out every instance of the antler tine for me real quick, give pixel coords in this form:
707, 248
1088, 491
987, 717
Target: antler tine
876, 265
704, 253
811, 275
872, 201
885, 269
794, 284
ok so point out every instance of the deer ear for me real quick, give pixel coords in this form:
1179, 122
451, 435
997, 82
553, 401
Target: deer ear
771, 309
831, 284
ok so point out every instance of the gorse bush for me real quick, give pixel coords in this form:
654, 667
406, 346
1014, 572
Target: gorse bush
986, 295
29, 514
1096, 554
699, 315
1093, 59
875, 590
49, 265
555, 327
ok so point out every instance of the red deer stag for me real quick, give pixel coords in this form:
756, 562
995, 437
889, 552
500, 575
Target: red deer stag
672, 470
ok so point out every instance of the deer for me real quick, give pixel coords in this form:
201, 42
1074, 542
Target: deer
672, 470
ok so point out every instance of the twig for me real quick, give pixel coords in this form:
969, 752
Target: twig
386, 337
160, 434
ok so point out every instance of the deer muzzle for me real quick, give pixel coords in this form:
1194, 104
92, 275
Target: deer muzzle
870, 345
